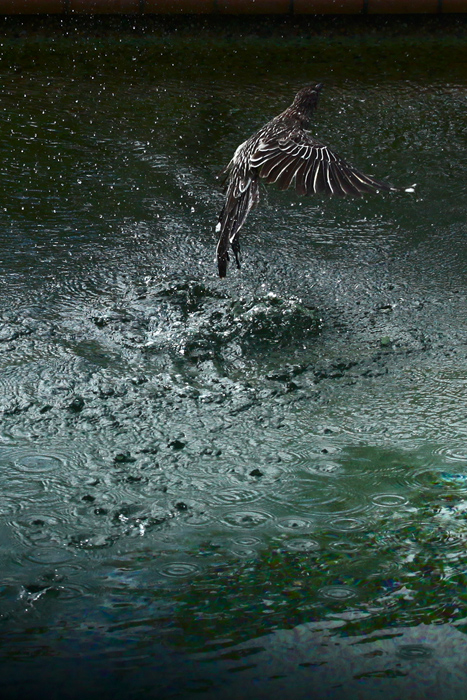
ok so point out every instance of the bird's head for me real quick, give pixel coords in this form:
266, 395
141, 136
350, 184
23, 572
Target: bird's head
306, 99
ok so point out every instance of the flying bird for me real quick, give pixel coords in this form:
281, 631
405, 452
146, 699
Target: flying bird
284, 152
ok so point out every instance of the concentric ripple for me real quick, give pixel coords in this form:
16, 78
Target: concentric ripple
247, 519
347, 524
49, 555
302, 545
247, 541
180, 570
337, 593
389, 500
37, 464
293, 523
414, 651
236, 495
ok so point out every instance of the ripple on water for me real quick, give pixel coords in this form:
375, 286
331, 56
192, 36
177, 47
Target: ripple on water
348, 524
31, 462
247, 519
314, 494
36, 462
456, 455
454, 481
236, 495
245, 547
389, 500
49, 555
423, 479
197, 519
337, 593
39, 529
414, 651
294, 523
179, 569
37, 485
302, 544
247, 541
39, 463
347, 547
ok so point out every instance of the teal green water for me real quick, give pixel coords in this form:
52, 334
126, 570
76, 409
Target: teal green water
257, 485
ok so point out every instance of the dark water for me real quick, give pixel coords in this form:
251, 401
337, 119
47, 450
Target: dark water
254, 486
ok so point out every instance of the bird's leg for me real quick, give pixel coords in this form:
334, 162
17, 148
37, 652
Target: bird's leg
236, 251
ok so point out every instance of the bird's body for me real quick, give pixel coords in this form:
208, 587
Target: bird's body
283, 151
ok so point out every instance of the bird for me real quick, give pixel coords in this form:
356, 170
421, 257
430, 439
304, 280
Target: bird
283, 151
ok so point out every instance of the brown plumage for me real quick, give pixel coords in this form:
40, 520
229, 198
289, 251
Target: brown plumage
284, 152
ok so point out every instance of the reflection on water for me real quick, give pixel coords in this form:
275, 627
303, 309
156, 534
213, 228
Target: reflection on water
206, 484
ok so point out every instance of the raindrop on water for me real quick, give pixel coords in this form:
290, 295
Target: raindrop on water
302, 545
246, 518
414, 651
179, 569
389, 500
337, 593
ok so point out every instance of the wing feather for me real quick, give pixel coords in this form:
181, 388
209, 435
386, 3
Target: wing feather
285, 158
314, 167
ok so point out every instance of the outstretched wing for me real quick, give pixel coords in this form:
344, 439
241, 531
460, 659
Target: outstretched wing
314, 167
242, 194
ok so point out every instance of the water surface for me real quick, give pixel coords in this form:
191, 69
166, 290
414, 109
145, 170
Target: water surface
260, 482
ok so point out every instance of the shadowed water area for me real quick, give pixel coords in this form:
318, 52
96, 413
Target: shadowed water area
251, 487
